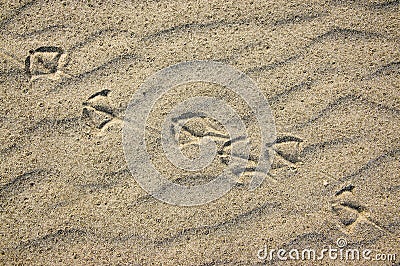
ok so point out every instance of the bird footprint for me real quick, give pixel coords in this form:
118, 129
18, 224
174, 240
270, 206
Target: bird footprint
98, 114
46, 62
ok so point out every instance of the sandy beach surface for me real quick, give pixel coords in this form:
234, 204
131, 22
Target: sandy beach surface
330, 73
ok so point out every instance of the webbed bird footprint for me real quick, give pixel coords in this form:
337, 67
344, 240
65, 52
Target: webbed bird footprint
46, 62
351, 215
98, 112
288, 152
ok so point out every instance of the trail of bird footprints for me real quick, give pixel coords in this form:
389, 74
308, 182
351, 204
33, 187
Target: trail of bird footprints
99, 116
287, 148
326, 81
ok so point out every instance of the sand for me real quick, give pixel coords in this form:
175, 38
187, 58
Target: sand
329, 70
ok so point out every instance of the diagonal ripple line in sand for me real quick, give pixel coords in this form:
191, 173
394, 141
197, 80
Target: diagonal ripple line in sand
188, 72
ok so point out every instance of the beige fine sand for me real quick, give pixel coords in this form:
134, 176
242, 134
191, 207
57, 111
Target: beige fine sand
330, 72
